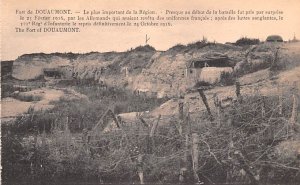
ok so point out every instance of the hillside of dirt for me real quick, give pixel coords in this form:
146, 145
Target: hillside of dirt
92, 65
144, 69
162, 73
166, 75
111, 107
256, 71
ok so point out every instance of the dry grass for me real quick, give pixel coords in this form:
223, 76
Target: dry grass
254, 132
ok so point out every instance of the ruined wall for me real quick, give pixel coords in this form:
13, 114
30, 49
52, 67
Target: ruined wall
31, 67
212, 74
167, 76
161, 73
98, 66
67, 72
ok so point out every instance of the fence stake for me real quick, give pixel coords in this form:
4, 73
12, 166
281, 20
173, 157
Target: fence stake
263, 111
204, 99
180, 130
180, 107
151, 135
238, 90
293, 118
280, 102
140, 168
195, 155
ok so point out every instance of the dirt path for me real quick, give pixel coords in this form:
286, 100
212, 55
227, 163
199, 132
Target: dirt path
11, 107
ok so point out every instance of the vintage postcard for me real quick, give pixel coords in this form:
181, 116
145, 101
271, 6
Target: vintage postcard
150, 92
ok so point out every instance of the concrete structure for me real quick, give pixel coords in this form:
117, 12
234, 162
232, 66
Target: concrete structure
274, 38
67, 72
207, 69
63, 72
52, 73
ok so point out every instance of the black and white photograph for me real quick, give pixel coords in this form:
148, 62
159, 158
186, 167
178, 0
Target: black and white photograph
155, 92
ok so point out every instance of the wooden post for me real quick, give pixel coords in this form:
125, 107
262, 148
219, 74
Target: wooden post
186, 153
186, 161
280, 101
186, 72
180, 130
204, 99
140, 168
67, 135
293, 118
263, 111
238, 91
188, 136
154, 126
126, 71
180, 107
218, 106
113, 116
151, 135
85, 140
147, 39
229, 154
219, 116
43, 137
195, 155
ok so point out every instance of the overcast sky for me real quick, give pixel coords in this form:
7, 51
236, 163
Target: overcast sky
120, 39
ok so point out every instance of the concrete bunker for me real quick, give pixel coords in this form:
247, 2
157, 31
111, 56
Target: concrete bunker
61, 72
274, 38
208, 69
52, 73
